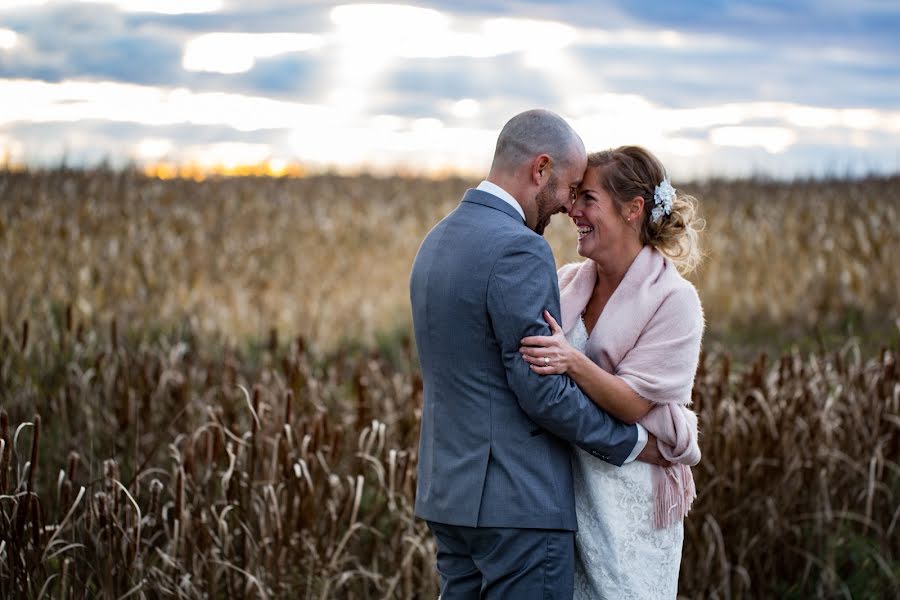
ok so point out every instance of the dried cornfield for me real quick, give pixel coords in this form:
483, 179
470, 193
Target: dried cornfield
228, 399
167, 469
329, 257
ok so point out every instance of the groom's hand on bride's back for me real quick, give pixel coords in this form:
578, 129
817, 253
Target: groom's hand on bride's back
650, 453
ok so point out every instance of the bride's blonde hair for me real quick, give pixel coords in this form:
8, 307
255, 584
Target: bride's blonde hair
630, 171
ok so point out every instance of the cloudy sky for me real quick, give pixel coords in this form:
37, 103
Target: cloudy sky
787, 89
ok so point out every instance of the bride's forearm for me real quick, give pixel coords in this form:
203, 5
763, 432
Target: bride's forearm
608, 391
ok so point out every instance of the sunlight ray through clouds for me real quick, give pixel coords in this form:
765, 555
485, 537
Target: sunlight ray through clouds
369, 37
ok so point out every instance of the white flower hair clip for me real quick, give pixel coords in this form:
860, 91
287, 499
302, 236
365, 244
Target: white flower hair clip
663, 196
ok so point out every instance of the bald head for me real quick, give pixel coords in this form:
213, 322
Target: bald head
535, 132
539, 161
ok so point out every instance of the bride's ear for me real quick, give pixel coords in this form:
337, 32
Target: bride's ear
635, 209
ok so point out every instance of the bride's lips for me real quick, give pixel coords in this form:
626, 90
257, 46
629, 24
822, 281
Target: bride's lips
583, 229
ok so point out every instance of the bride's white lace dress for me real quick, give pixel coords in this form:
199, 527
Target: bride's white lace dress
619, 554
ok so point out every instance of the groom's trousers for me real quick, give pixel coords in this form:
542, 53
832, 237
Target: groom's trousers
492, 563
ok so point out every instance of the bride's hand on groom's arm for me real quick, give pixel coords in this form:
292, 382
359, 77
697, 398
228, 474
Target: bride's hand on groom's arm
553, 355
550, 354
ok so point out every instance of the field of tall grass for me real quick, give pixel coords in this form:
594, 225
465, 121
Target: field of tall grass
208, 389
329, 257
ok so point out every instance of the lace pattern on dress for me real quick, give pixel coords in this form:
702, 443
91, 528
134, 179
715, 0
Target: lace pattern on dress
619, 554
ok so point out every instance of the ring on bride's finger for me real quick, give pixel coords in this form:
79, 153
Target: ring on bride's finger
546, 360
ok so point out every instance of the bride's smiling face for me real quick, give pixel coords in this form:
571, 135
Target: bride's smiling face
601, 226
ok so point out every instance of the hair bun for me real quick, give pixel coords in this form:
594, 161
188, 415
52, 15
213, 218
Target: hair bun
677, 235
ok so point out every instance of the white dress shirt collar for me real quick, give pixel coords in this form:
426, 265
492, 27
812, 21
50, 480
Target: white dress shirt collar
495, 190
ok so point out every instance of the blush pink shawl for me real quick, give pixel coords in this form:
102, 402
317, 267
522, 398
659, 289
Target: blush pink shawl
649, 336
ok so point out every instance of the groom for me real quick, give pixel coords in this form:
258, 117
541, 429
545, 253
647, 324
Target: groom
494, 474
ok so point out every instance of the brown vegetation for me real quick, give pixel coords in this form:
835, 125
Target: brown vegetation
329, 257
156, 474
134, 311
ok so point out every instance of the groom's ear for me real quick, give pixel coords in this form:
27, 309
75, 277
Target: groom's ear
540, 169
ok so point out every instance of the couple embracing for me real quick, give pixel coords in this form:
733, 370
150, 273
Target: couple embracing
557, 403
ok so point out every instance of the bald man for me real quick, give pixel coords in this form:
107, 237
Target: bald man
494, 472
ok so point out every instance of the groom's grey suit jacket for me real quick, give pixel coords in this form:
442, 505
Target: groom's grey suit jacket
494, 445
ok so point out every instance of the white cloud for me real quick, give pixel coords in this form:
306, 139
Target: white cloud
666, 39
383, 31
8, 39
153, 148
774, 140
330, 136
69, 101
383, 145
14, 4
466, 108
168, 7
237, 52
529, 35
614, 119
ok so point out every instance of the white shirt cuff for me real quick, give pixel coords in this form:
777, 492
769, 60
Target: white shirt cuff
639, 446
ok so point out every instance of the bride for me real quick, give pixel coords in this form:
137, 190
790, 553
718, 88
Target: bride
630, 338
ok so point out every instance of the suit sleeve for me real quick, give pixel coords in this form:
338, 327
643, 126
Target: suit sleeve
522, 284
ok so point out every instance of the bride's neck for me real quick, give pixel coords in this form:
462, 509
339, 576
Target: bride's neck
611, 270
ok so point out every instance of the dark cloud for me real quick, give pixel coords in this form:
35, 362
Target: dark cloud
90, 41
296, 76
682, 78
95, 41
455, 78
246, 17
775, 24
